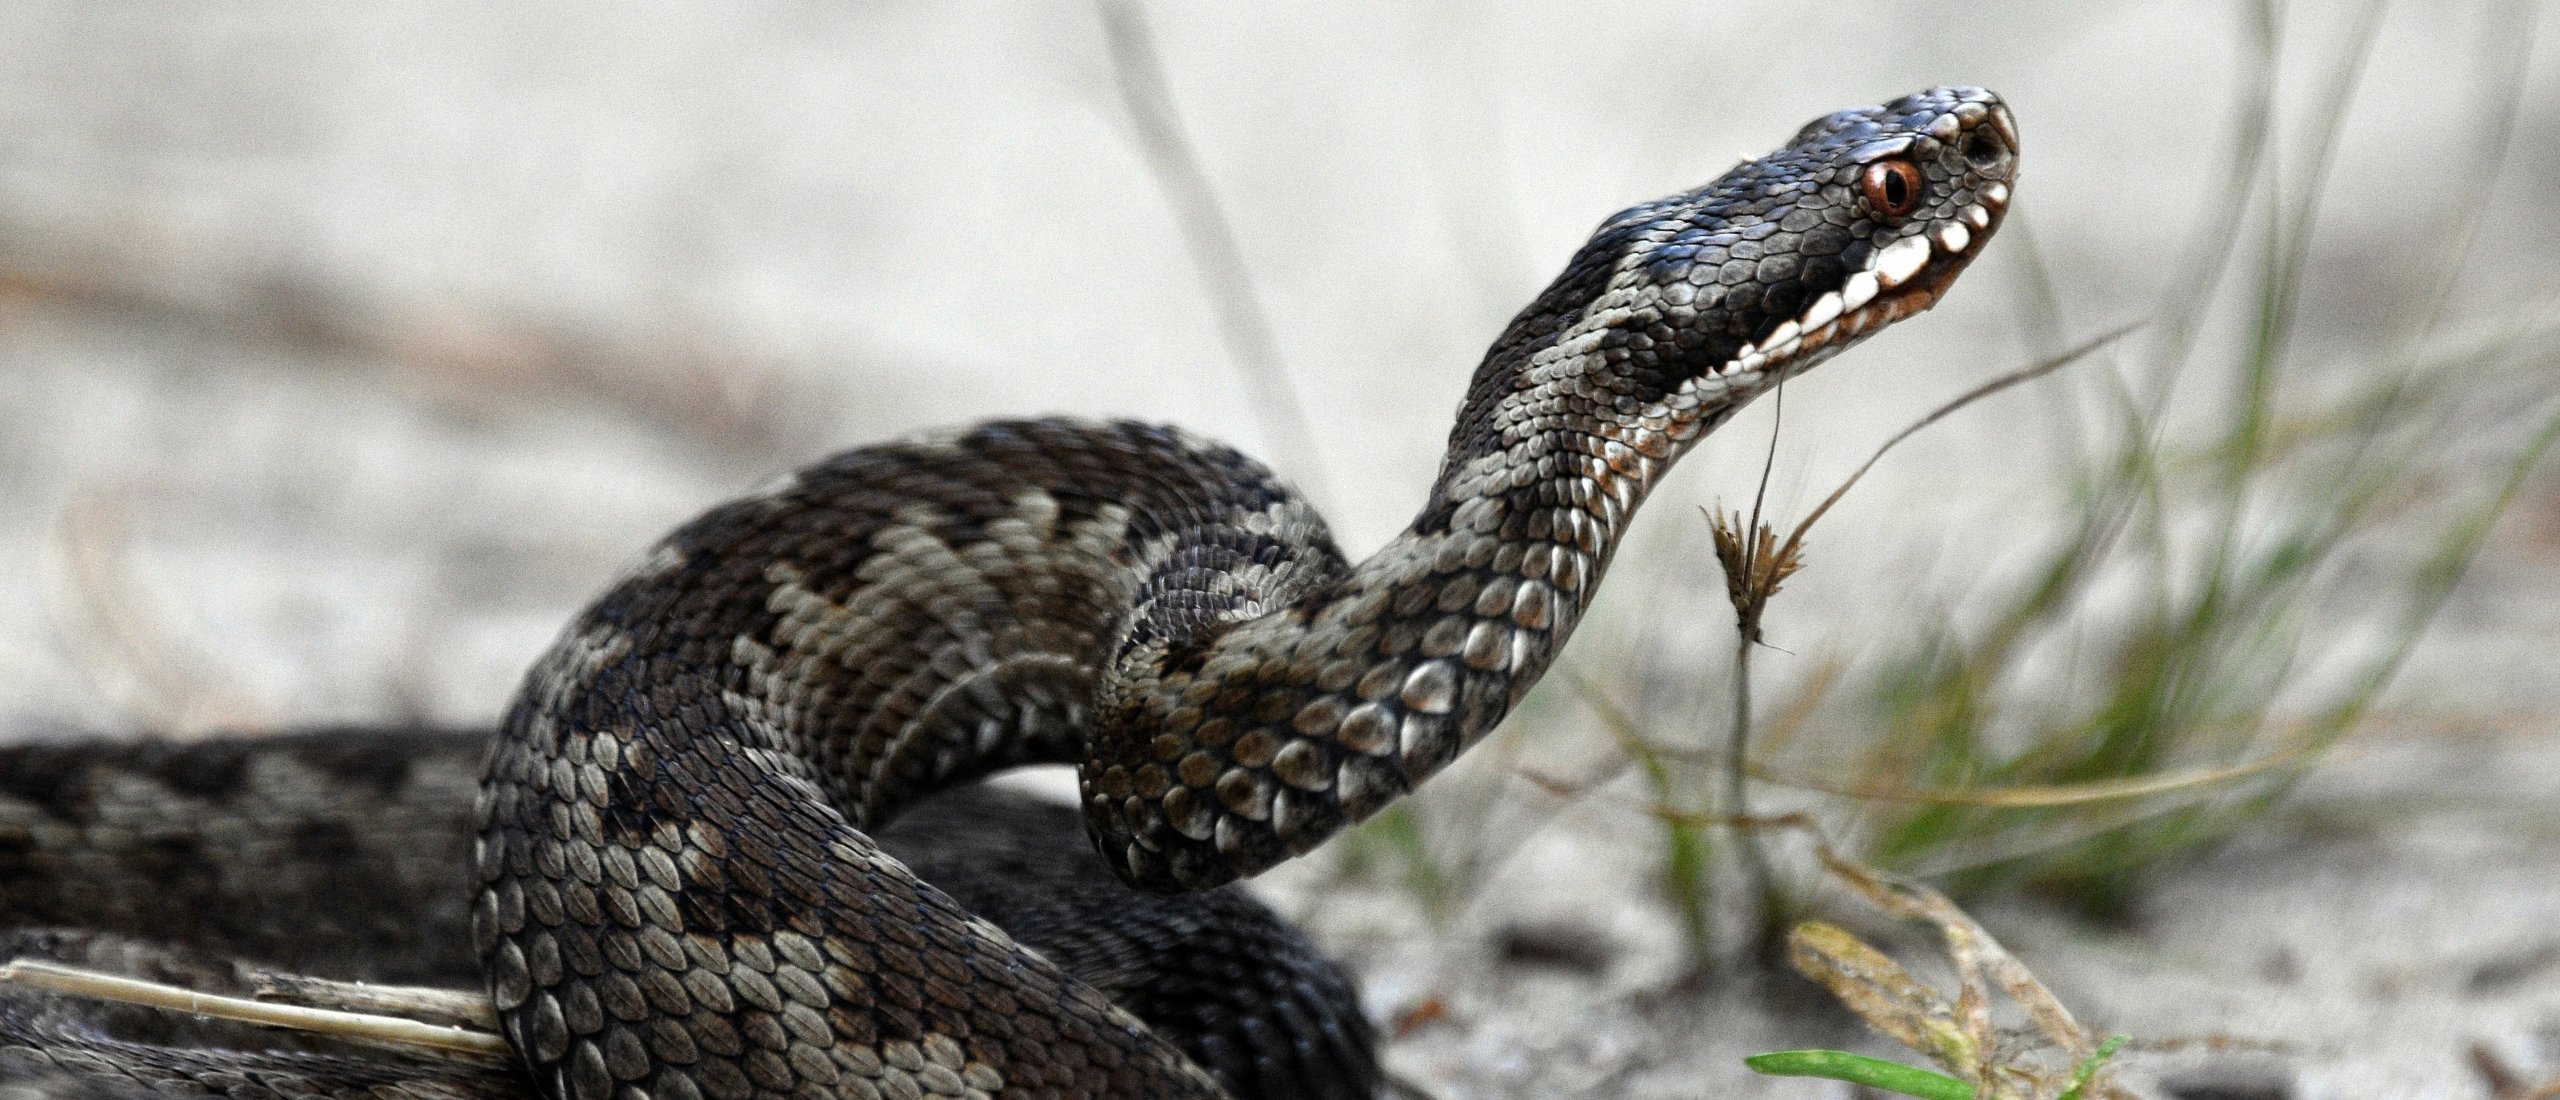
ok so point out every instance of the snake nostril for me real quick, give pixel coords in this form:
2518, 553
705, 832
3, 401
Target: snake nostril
1984, 150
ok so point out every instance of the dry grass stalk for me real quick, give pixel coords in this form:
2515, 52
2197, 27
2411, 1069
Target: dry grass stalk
336, 1021
469, 1009
1879, 991
2300, 744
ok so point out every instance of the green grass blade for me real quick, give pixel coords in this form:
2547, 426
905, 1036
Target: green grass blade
2088, 1067
1858, 1069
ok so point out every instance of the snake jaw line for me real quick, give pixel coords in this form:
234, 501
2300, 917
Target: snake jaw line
1949, 173
1892, 268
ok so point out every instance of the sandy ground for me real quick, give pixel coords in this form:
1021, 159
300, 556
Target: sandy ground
345, 350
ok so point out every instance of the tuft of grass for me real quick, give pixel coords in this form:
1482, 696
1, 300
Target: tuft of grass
1756, 564
2219, 608
2035, 1049
2272, 593
2054, 1056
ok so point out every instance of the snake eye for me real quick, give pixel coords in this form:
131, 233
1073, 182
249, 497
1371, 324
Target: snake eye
1892, 187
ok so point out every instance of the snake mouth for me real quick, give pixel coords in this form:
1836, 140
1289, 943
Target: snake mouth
1900, 279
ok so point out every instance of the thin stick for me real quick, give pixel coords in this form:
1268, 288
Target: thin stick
1767, 917
467, 1009
1768, 462
1763, 880
77, 982
2025, 374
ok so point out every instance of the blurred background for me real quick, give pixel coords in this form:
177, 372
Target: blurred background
345, 350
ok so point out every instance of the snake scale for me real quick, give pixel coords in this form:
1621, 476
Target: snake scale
671, 884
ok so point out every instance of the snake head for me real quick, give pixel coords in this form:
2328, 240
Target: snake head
1679, 311
1862, 220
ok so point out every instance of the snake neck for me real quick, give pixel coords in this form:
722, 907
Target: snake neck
1252, 738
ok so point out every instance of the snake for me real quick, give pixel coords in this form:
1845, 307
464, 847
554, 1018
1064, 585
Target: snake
677, 876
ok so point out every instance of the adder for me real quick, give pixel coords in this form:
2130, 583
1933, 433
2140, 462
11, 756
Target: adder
674, 883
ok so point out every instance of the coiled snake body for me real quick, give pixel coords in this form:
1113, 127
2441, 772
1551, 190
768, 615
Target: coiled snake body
678, 890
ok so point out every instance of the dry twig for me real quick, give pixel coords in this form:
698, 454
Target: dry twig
337, 1020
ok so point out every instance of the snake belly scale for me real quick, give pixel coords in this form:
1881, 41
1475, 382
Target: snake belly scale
678, 889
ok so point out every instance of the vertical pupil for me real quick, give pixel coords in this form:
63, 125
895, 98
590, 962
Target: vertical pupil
1896, 192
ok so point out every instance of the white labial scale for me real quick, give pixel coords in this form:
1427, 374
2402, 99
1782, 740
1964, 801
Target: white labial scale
1901, 260
1824, 310
1859, 290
